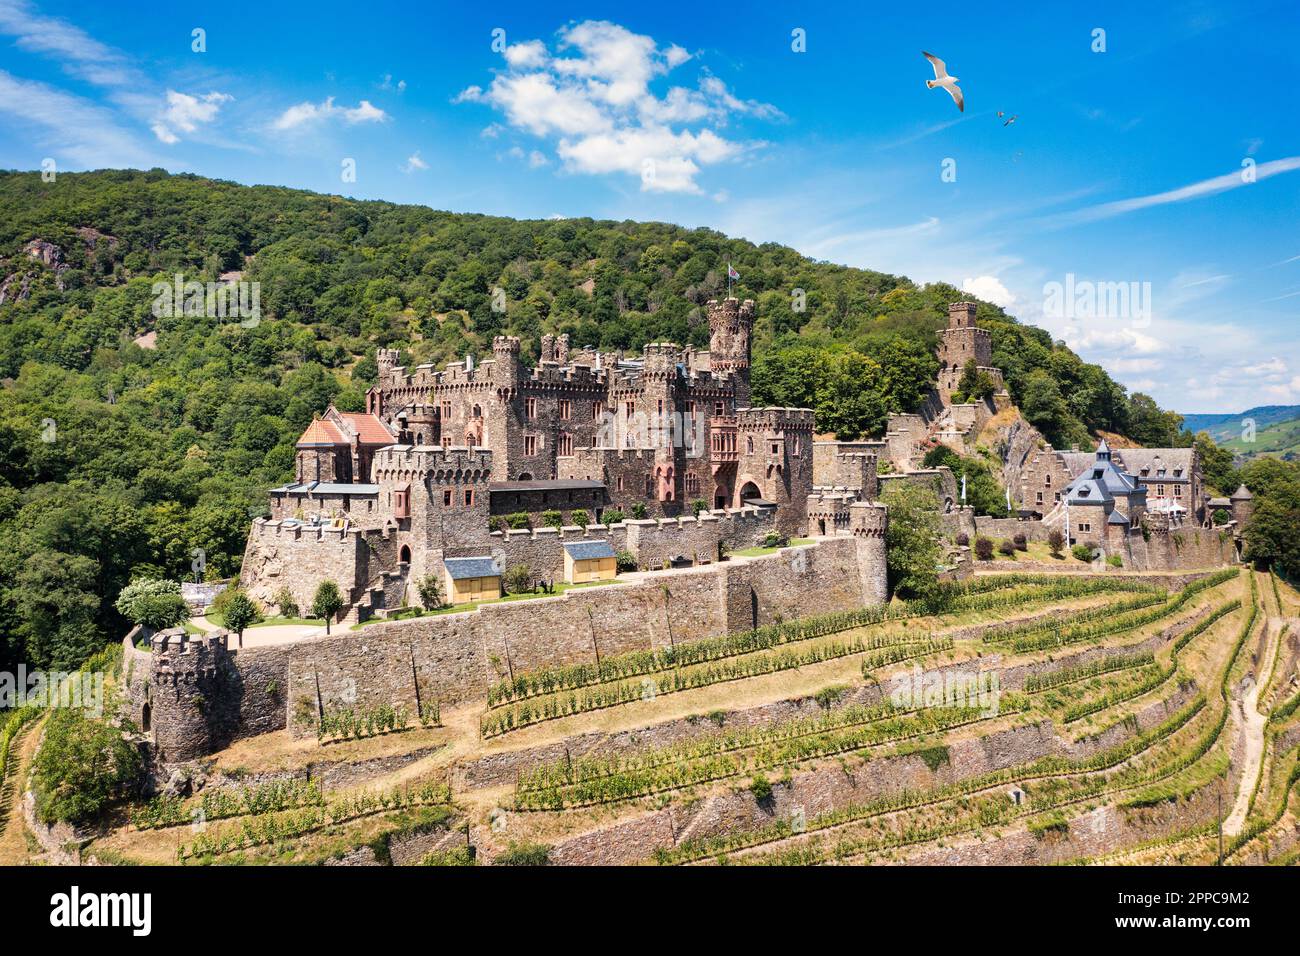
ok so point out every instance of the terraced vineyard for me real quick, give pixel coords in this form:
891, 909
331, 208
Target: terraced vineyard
1105, 718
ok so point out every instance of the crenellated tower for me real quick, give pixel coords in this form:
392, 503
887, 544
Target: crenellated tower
731, 326
187, 693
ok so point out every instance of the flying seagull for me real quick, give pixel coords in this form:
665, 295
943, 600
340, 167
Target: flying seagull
941, 78
1010, 120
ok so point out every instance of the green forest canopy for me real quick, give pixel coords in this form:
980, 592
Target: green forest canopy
118, 460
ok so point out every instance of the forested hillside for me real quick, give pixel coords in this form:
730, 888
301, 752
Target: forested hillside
120, 457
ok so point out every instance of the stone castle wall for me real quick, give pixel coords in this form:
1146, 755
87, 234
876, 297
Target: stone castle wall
457, 657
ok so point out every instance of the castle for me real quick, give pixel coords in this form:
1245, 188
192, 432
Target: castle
422, 481
442, 463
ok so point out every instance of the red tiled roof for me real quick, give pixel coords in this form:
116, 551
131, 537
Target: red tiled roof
321, 432
369, 428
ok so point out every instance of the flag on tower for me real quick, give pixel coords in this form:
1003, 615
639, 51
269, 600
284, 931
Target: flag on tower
732, 273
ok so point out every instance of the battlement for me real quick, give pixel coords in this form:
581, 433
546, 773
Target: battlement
327, 533
453, 464
961, 315
868, 519
181, 658
775, 419
731, 311
506, 344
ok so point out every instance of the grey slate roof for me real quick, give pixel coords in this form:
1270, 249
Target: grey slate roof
588, 550
1146, 463
462, 569
327, 488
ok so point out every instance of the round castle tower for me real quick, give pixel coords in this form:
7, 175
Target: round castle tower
186, 681
731, 323
868, 521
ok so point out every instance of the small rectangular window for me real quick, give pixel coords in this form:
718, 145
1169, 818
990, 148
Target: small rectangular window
446, 498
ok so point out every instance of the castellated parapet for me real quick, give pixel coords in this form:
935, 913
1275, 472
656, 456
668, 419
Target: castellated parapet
186, 685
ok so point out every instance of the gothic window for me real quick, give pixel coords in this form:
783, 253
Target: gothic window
596, 409
630, 408
565, 408
564, 444
530, 408
530, 444
692, 484
1047, 481
749, 444
446, 410
478, 411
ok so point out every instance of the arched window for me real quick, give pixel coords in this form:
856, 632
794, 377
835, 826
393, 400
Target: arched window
749, 444
404, 556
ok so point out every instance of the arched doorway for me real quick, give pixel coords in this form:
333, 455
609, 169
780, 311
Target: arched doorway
404, 556
146, 718
749, 490
525, 476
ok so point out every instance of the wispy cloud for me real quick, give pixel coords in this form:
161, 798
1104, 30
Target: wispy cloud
86, 133
1197, 190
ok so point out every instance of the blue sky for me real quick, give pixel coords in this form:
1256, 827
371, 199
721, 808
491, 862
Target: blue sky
1169, 161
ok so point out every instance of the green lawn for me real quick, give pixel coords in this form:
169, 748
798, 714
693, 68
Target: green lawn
216, 618
760, 550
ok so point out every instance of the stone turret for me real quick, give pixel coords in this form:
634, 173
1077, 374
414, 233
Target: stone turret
506, 367
868, 522
731, 324
1243, 506
186, 694
961, 342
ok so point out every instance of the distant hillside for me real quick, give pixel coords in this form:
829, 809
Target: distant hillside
1281, 440
1225, 428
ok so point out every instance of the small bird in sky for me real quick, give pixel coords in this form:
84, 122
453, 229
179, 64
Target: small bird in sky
941, 78
1011, 119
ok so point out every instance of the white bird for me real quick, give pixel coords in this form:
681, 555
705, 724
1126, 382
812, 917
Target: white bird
941, 78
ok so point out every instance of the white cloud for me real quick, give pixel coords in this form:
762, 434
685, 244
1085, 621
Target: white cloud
414, 162
185, 113
537, 158
525, 55
310, 113
591, 95
990, 289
